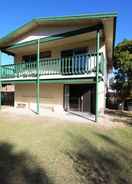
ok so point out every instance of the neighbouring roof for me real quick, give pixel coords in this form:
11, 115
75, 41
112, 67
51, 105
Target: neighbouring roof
9, 39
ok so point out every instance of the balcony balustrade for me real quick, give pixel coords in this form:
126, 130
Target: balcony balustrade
76, 65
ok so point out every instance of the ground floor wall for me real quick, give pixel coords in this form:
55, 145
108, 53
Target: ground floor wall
51, 96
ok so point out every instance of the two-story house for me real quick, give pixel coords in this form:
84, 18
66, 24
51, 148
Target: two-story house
61, 63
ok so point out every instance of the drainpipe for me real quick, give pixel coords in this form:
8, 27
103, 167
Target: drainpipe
97, 73
38, 81
0, 79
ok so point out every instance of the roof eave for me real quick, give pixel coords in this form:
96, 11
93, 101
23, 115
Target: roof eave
7, 40
78, 17
19, 31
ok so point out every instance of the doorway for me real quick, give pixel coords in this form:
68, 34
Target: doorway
73, 62
81, 98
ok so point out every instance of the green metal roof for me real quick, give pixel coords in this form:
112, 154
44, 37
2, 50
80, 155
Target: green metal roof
78, 17
34, 22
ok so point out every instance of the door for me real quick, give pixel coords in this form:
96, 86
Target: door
72, 63
86, 101
66, 64
82, 98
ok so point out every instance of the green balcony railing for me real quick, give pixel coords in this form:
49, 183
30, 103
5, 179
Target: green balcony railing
76, 65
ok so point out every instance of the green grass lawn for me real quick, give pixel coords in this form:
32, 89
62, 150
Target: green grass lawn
60, 153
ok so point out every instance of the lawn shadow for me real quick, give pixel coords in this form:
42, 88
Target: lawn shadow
20, 167
119, 116
127, 121
99, 166
121, 149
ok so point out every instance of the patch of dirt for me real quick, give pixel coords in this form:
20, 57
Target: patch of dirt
111, 119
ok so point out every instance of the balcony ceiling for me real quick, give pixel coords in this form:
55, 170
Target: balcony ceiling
56, 43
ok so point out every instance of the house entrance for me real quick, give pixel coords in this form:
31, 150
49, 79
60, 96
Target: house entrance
81, 98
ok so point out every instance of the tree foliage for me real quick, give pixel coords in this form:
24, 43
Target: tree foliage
123, 68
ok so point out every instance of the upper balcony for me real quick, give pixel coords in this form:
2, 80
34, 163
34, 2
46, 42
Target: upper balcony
78, 66
57, 34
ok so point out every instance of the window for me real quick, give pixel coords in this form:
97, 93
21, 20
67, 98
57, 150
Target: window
67, 53
45, 55
79, 51
74, 52
33, 57
29, 58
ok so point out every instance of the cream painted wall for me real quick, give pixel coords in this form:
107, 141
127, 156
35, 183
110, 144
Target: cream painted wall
56, 51
51, 96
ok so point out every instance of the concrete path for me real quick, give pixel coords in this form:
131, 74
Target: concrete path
109, 120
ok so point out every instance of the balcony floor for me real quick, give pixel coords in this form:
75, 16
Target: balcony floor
90, 76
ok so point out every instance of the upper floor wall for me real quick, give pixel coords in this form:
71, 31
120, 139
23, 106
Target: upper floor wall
55, 51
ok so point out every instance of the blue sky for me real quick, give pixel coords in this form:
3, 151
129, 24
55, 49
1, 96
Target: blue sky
15, 13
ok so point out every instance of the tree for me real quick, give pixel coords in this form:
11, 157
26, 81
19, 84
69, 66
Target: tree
123, 69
